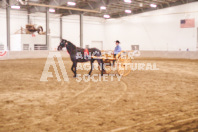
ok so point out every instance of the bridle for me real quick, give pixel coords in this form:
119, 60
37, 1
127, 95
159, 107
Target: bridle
62, 45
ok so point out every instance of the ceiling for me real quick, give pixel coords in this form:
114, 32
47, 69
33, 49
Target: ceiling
114, 8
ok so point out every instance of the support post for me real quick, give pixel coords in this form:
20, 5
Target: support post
81, 30
47, 28
8, 23
61, 28
28, 17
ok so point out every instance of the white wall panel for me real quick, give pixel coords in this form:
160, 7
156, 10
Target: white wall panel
71, 29
93, 29
3, 27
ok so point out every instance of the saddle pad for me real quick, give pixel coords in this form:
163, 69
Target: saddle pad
86, 52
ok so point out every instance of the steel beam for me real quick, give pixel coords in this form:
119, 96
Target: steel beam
63, 7
8, 23
90, 6
81, 30
47, 28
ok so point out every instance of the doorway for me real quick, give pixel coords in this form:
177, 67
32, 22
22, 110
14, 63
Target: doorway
97, 44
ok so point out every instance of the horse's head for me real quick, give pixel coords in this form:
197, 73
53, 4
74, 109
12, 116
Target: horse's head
63, 43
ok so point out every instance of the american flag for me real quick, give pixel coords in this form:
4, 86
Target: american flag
187, 23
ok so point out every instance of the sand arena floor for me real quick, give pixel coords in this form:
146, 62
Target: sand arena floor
151, 101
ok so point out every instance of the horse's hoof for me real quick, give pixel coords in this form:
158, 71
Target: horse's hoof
74, 76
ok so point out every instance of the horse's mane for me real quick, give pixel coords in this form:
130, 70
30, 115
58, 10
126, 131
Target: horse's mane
71, 48
71, 45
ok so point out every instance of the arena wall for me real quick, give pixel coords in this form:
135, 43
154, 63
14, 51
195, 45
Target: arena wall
29, 54
93, 27
18, 19
144, 54
157, 30
169, 54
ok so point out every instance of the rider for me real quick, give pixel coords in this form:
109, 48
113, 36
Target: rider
117, 49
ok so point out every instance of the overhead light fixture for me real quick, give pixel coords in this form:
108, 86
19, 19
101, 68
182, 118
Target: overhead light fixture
127, 11
71, 3
106, 16
141, 4
15, 7
52, 10
102, 8
127, 1
153, 5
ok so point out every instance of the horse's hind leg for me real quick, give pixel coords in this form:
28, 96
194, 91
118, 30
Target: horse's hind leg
103, 70
101, 64
92, 60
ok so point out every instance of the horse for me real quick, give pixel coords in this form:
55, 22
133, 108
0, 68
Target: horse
82, 55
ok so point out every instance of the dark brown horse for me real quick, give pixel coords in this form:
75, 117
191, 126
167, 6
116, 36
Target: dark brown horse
81, 55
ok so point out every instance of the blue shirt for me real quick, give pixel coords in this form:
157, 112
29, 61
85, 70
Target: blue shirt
117, 49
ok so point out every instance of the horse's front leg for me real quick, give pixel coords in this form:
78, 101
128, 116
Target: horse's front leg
75, 71
72, 68
92, 60
102, 67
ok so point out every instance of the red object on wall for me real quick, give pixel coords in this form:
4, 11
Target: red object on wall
2, 53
